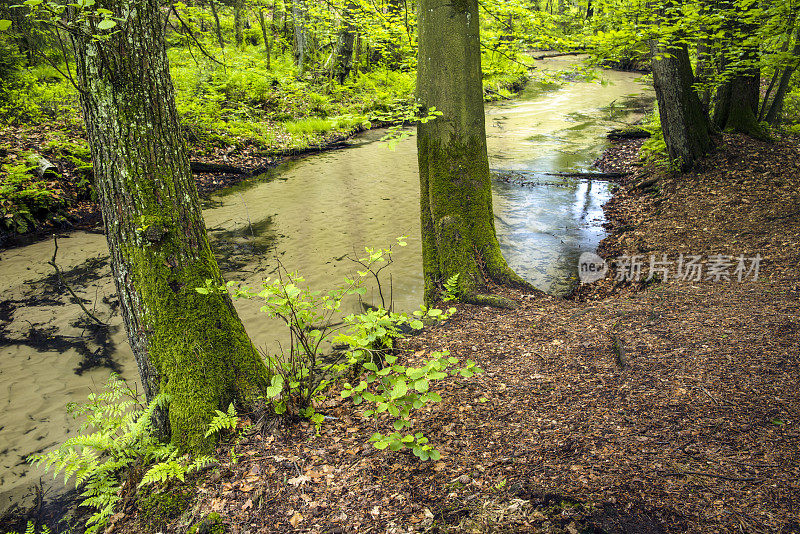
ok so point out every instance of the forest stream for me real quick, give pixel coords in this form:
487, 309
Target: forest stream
312, 214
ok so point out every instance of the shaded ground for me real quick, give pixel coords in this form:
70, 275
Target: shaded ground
666, 406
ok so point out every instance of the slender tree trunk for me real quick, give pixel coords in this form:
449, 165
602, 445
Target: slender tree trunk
775, 107
217, 25
191, 346
238, 22
683, 120
343, 56
266, 36
300, 37
458, 234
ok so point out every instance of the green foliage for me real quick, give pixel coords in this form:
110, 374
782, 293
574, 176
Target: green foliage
452, 289
31, 529
25, 201
302, 374
398, 389
223, 421
116, 434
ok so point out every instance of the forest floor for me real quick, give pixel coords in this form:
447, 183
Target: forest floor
632, 407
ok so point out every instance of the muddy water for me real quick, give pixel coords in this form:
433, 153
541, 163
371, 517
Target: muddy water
310, 214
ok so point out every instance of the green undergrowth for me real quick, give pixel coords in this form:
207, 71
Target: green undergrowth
27, 202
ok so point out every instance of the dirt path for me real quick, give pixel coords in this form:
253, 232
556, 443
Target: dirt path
634, 407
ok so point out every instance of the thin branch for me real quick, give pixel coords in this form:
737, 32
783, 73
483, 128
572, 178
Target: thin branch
69, 289
191, 34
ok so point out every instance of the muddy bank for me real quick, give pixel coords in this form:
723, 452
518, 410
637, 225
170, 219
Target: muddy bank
669, 406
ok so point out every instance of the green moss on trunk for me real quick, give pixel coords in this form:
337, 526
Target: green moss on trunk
191, 346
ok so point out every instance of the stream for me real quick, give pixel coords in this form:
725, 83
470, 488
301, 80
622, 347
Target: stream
310, 214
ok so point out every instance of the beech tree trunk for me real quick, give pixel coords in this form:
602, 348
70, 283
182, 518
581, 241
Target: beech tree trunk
683, 120
191, 346
458, 233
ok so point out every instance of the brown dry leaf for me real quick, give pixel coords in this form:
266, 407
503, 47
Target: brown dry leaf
299, 481
296, 519
247, 504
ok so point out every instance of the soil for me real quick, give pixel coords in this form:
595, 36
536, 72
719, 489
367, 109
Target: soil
631, 407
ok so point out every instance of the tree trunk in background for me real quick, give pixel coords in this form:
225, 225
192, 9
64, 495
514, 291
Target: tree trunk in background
683, 120
217, 26
343, 56
266, 36
300, 37
192, 347
704, 71
774, 110
736, 107
238, 22
458, 234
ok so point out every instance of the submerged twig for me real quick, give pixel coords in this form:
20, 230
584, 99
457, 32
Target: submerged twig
69, 289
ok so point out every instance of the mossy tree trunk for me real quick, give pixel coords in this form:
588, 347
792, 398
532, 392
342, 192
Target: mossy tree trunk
191, 346
458, 233
683, 120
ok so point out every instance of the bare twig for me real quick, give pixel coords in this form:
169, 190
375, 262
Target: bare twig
69, 289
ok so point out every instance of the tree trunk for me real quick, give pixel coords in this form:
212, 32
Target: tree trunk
266, 36
776, 106
458, 234
300, 37
343, 57
683, 120
238, 22
193, 347
217, 26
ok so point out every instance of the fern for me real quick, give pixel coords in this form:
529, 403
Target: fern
31, 529
117, 432
223, 421
452, 289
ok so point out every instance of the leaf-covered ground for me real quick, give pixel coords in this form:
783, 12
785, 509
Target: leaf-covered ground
631, 407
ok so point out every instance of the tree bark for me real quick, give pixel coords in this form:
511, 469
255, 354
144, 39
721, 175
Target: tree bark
266, 35
458, 233
193, 347
300, 37
238, 22
683, 119
343, 57
217, 25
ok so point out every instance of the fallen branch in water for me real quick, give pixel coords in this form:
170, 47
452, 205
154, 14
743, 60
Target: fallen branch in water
69, 289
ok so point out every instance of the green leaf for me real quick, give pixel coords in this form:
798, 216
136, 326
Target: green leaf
416, 324
106, 24
435, 397
434, 454
4, 25
381, 445
421, 385
400, 389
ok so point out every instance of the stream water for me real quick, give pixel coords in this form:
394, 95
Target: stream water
310, 214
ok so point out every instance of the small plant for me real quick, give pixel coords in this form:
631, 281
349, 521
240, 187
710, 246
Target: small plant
398, 389
120, 435
302, 374
116, 435
451, 289
31, 529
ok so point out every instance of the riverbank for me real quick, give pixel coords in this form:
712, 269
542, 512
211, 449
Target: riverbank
661, 406
34, 206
